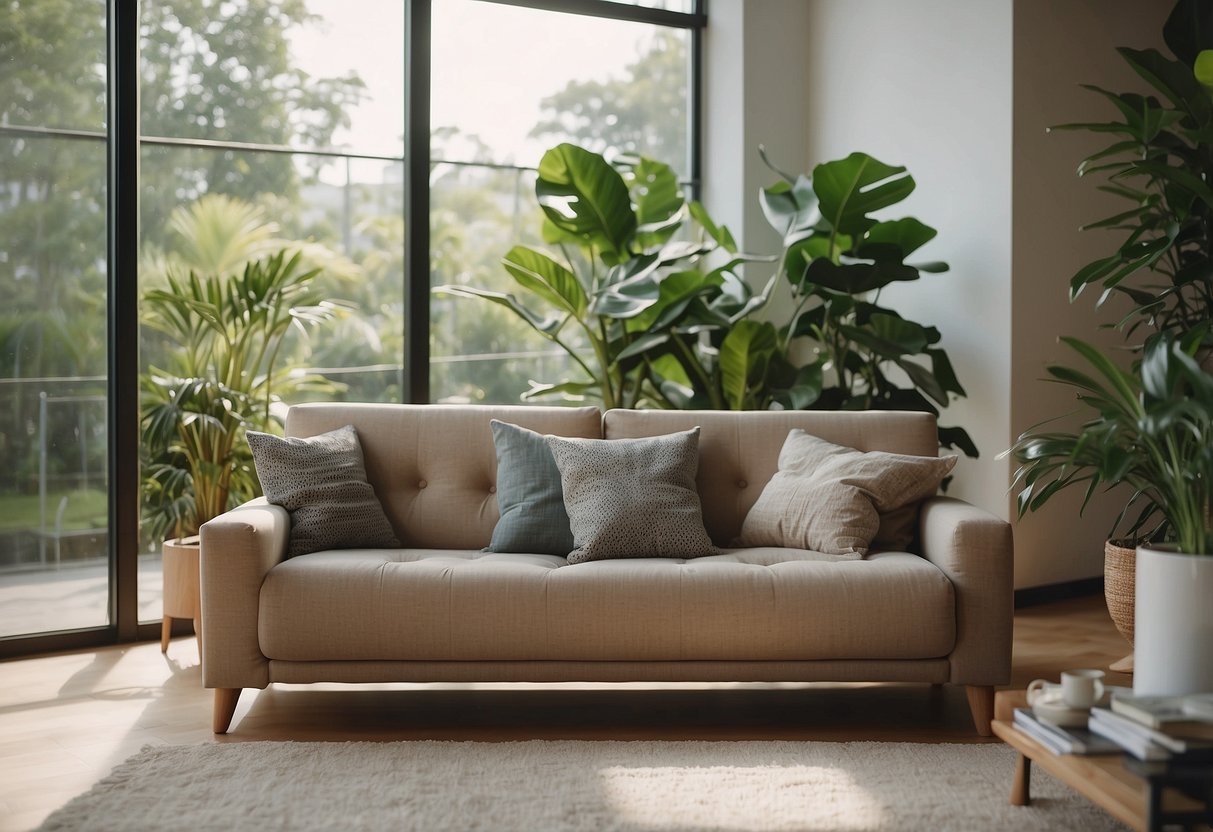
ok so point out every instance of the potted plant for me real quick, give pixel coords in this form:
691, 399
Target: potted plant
1159, 160
1151, 429
224, 372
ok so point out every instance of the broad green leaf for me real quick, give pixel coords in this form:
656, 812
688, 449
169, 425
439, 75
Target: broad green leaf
547, 327
581, 194
719, 233
909, 337
804, 388
849, 189
908, 234
631, 269
554, 236
744, 354
643, 344
791, 209
930, 267
657, 200
543, 276
571, 390
628, 298
941, 366
924, 380
674, 290
667, 367
958, 439
857, 278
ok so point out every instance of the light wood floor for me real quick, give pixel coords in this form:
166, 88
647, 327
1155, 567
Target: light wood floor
67, 719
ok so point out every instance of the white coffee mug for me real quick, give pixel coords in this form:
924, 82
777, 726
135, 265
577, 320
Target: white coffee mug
1081, 688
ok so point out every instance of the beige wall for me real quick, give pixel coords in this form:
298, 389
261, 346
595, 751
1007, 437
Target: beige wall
1059, 45
959, 91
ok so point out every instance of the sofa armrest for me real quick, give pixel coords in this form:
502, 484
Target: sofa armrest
973, 549
238, 549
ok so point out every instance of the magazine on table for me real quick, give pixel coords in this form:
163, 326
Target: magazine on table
1063, 740
1186, 717
1129, 735
1132, 732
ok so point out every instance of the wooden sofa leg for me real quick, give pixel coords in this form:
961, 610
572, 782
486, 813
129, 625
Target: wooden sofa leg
225, 708
981, 705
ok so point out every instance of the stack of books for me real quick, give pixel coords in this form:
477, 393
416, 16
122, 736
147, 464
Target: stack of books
1059, 740
1158, 727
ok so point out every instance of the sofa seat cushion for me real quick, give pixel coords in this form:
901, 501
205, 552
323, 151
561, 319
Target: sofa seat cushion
741, 605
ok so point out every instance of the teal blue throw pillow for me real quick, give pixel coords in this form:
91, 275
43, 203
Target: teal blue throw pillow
529, 495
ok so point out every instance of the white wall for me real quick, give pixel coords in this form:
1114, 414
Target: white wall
754, 70
927, 85
959, 91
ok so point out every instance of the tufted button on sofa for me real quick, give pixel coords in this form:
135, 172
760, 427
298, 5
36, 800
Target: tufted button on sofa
441, 609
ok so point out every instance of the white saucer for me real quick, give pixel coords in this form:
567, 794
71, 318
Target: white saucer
1055, 712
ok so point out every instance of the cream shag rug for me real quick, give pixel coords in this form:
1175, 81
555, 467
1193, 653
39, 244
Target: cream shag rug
566, 785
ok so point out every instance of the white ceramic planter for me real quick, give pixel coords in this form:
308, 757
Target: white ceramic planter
1173, 642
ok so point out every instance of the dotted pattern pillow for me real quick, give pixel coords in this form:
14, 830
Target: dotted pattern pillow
632, 498
533, 519
321, 481
828, 498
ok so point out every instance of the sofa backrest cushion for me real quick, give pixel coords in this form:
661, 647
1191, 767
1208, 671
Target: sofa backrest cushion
739, 452
434, 467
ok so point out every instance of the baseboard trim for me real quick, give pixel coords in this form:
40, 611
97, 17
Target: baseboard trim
1035, 595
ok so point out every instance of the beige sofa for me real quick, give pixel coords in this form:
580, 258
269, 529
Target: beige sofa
440, 609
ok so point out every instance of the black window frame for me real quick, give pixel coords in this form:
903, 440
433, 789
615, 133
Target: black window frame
123, 143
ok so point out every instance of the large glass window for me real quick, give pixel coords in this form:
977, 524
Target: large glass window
274, 129
54, 568
612, 86
268, 129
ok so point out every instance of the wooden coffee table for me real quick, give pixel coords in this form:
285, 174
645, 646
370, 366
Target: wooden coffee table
1132, 797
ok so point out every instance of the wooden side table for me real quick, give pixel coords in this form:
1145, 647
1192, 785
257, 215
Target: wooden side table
181, 588
1130, 794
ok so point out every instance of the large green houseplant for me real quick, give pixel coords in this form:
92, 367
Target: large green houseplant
645, 295
1161, 161
837, 259
223, 372
624, 288
1149, 429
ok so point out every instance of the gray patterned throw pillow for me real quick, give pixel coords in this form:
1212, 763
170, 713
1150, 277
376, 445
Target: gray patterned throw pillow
632, 498
533, 519
321, 481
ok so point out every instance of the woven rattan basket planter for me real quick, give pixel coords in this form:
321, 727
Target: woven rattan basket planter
1119, 581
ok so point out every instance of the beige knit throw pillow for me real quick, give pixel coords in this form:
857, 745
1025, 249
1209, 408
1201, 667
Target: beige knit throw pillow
828, 498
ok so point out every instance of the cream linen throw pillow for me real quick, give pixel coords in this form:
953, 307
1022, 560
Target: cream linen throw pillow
829, 498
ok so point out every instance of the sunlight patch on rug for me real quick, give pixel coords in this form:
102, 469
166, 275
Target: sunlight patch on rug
793, 797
